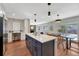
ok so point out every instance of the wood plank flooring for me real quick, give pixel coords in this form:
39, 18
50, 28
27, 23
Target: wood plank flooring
19, 49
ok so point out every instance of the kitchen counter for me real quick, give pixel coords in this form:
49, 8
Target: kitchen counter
42, 37
41, 44
53, 33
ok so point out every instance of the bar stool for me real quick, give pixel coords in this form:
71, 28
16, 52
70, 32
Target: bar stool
60, 41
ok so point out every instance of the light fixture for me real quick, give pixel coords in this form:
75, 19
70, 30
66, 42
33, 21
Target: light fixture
58, 20
49, 13
35, 17
57, 15
35, 14
35, 20
49, 4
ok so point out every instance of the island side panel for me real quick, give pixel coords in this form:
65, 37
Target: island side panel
48, 48
33, 45
40, 49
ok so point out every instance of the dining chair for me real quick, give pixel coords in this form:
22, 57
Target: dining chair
60, 42
76, 47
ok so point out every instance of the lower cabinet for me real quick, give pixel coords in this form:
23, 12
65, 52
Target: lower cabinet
40, 49
48, 48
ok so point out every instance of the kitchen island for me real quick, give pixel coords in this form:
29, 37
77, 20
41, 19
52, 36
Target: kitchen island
41, 45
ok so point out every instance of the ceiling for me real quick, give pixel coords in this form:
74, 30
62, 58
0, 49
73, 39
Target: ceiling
27, 11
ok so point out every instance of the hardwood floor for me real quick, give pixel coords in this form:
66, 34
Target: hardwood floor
19, 48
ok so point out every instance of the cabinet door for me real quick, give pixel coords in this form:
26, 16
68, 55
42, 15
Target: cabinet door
48, 49
39, 48
34, 42
34, 46
29, 42
36, 50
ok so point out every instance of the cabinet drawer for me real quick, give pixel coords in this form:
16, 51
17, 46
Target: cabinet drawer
36, 51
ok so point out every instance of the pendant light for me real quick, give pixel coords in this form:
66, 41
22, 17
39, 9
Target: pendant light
58, 20
49, 13
35, 18
49, 4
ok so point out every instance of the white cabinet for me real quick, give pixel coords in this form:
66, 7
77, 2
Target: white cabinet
16, 26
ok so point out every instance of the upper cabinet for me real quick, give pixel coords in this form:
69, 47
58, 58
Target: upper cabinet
16, 26
42, 28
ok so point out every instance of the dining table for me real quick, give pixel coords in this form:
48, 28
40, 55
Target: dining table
68, 37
